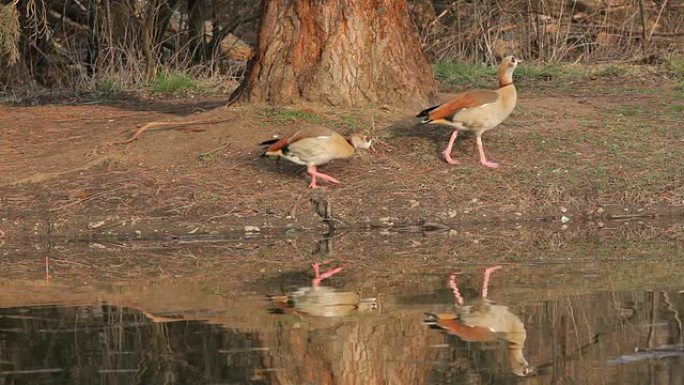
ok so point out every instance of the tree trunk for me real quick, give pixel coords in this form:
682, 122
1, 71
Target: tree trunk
338, 52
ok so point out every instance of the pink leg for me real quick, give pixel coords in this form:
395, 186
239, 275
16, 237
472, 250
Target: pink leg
483, 159
312, 171
488, 271
318, 277
327, 177
454, 288
447, 151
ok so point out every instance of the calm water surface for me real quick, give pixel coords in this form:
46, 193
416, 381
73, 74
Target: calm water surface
293, 330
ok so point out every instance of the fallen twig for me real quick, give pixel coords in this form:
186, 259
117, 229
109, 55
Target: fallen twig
34, 371
217, 149
85, 199
293, 211
158, 124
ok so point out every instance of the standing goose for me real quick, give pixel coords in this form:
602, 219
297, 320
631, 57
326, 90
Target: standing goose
476, 110
483, 321
314, 146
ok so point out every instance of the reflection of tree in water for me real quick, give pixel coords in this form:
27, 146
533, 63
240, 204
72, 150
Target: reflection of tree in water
359, 350
119, 346
334, 337
471, 363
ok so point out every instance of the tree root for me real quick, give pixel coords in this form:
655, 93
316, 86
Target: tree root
160, 124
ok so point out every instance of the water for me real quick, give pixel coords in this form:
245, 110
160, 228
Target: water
607, 312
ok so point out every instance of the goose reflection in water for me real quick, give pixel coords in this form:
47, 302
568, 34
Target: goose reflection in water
322, 301
481, 320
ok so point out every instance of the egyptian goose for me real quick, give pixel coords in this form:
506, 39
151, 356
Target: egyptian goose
476, 110
484, 321
322, 301
314, 146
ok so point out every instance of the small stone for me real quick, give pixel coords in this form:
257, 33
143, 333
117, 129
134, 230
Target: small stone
564, 227
564, 219
474, 200
600, 224
387, 221
95, 225
452, 213
476, 241
600, 210
252, 229
563, 209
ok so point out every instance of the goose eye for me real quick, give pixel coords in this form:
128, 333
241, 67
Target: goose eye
512, 59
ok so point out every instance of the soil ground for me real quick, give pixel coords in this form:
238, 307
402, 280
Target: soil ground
580, 149
182, 203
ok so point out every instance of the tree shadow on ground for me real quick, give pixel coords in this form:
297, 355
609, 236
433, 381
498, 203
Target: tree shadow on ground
173, 105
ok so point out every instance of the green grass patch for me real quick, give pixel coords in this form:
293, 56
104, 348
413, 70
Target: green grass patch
675, 64
548, 72
108, 86
453, 73
679, 91
347, 122
628, 110
207, 157
676, 110
611, 71
173, 82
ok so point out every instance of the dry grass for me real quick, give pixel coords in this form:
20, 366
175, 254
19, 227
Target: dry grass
546, 31
9, 33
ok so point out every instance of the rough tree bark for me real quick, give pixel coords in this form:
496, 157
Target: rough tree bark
338, 52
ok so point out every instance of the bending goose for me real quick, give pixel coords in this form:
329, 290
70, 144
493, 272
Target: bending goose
322, 301
314, 146
476, 110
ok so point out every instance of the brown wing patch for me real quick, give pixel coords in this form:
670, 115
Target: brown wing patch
468, 99
279, 145
466, 333
308, 132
